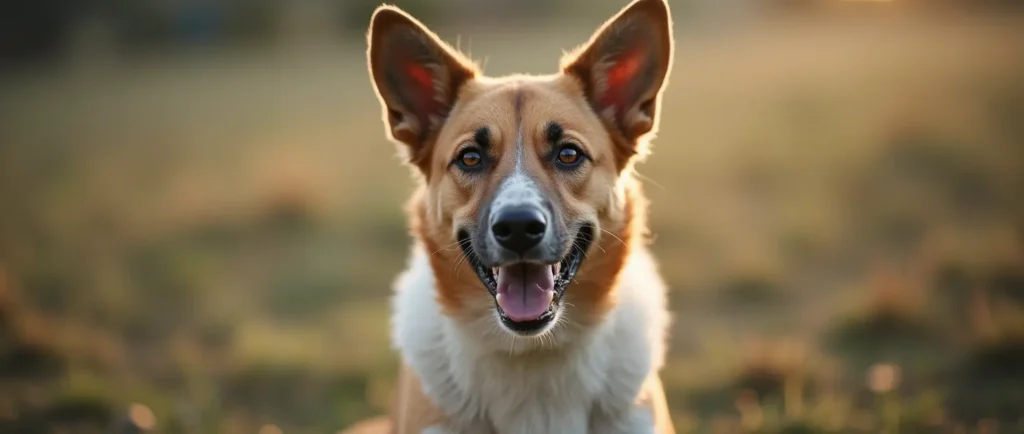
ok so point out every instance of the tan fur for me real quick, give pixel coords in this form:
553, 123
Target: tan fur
413, 410
493, 102
434, 99
653, 397
378, 425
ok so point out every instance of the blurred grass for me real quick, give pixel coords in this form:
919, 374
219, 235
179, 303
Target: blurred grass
215, 237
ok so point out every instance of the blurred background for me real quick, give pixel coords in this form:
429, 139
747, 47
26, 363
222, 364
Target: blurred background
200, 217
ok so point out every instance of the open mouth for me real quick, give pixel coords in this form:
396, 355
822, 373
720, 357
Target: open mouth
527, 293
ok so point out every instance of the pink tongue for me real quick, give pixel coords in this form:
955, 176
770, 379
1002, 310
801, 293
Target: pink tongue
525, 290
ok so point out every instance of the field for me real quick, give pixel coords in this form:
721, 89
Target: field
206, 243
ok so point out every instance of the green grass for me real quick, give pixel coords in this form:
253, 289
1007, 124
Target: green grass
216, 238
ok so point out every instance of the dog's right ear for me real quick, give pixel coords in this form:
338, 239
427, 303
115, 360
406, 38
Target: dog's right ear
417, 77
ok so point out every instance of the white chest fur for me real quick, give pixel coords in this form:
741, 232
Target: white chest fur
577, 380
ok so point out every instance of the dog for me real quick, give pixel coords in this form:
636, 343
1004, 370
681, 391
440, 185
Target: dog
530, 303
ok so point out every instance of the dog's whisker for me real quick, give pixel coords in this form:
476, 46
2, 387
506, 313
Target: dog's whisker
456, 268
447, 247
579, 249
455, 265
455, 243
460, 244
463, 257
441, 250
543, 339
614, 236
648, 179
588, 238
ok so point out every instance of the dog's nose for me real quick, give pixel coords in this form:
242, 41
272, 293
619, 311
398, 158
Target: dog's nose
519, 229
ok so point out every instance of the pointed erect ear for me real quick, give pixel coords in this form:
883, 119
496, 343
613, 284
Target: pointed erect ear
623, 67
416, 76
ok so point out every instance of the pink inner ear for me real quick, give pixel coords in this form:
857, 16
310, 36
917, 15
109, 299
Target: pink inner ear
419, 73
618, 78
423, 85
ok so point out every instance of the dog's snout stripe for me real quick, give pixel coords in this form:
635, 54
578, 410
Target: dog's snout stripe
518, 188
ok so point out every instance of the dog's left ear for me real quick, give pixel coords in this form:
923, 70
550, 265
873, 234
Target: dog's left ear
624, 65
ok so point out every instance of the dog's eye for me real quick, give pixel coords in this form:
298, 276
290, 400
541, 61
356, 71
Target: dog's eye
469, 159
569, 155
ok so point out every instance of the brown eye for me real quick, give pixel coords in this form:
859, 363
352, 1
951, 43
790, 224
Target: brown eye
470, 159
570, 156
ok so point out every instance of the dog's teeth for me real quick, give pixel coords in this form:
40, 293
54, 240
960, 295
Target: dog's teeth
555, 268
495, 270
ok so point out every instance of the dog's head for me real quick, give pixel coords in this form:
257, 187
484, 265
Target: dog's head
524, 177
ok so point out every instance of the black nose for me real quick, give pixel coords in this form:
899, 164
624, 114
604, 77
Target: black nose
519, 229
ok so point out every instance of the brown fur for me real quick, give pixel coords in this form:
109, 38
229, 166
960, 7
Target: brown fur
606, 99
494, 103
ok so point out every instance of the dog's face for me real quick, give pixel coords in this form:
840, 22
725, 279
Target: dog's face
523, 176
